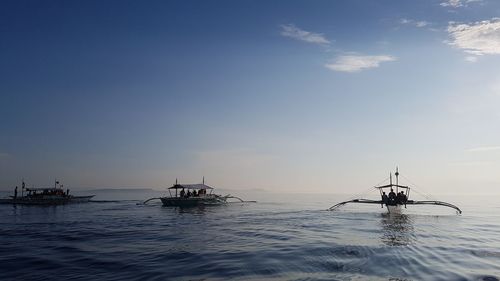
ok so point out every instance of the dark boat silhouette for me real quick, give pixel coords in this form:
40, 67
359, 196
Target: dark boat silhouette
395, 203
44, 196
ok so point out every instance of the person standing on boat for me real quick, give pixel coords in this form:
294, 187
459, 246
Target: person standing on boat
404, 198
399, 198
392, 196
183, 192
385, 199
15, 192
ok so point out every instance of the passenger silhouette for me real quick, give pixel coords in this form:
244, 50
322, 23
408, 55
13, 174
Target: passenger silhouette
385, 199
392, 196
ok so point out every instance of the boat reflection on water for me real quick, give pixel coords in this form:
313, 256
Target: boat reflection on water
397, 229
196, 210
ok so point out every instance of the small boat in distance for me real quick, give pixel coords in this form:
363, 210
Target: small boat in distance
395, 200
191, 195
44, 196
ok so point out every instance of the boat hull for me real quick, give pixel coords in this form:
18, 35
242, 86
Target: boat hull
46, 201
394, 208
192, 201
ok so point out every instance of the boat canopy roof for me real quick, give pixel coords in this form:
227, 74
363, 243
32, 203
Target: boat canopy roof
191, 186
391, 185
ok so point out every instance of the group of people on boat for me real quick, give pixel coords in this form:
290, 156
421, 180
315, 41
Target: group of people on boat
189, 194
44, 192
58, 192
394, 199
41, 192
43, 196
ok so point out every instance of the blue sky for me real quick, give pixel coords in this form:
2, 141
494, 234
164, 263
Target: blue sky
313, 96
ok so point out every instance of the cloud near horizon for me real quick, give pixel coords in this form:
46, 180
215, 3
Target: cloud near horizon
479, 38
290, 30
357, 63
484, 148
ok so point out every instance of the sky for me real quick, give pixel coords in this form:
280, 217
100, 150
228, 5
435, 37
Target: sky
286, 96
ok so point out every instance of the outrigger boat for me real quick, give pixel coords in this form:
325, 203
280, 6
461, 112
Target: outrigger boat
44, 196
395, 203
190, 195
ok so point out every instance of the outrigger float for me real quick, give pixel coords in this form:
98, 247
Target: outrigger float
395, 203
44, 196
191, 195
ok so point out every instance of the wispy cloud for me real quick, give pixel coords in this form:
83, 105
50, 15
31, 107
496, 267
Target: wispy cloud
344, 63
357, 63
452, 3
416, 23
479, 38
483, 148
290, 30
472, 163
471, 58
457, 3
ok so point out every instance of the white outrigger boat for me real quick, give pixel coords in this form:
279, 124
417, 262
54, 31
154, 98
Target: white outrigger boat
44, 196
395, 202
191, 195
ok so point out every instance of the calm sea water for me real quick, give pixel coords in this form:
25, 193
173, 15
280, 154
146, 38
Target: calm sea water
286, 237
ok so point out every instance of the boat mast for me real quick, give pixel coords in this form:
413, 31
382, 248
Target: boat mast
397, 181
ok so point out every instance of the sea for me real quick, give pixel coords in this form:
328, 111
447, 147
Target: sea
280, 237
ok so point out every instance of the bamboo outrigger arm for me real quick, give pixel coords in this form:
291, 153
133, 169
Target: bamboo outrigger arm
409, 202
222, 198
363, 201
237, 198
150, 199
441, 203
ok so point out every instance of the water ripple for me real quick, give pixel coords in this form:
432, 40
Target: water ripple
119, 240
